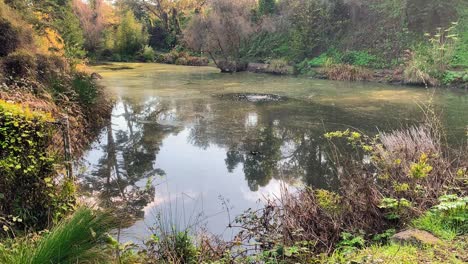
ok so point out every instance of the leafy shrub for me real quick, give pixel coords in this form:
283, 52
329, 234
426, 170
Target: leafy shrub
350, 242
130, 36
328, 201
86, 89
148, 54
318, 61
453, 77
28, 187
278, 67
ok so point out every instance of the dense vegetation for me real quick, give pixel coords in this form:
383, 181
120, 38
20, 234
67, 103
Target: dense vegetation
46, 98
422, 42
408, 178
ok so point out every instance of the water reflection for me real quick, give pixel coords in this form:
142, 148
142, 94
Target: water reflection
170, 136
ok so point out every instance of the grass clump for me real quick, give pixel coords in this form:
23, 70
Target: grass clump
78, 239
447, 219
346, 72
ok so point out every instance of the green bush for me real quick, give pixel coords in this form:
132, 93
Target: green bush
318, 61
130, 36
28, 188
86, 89
362, 58
452, 77
148, 54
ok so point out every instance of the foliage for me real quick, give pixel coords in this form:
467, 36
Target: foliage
362, 58
130, 36
452, 212
350, 242
29, 188
266, 45
395, 207
222, 32
429, 61
148, 54
266, 7
78, 239
86, 89
328, 20
454, 77
175, 247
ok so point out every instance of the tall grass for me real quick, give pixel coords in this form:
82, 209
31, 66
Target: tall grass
345, 72
79, 239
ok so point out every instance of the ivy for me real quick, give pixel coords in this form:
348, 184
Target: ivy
29, 187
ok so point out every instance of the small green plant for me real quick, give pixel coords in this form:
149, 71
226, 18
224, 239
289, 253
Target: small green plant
328, 201
173, 246
385, 236
395, 207
350, 242
421, 169
318, 61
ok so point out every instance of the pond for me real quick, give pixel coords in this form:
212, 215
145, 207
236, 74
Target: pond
192, 147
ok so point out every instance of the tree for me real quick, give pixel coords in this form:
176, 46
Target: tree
130, 37
222, 31
94, 16
315, 24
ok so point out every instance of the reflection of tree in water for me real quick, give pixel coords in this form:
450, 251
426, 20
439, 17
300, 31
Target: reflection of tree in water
274, 147
127, 162
282, 153
262, 160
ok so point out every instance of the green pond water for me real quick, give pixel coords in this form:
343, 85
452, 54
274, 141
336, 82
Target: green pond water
197, 146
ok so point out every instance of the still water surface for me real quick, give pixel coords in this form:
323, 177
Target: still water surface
188, 142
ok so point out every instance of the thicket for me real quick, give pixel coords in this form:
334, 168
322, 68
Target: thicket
39, 73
